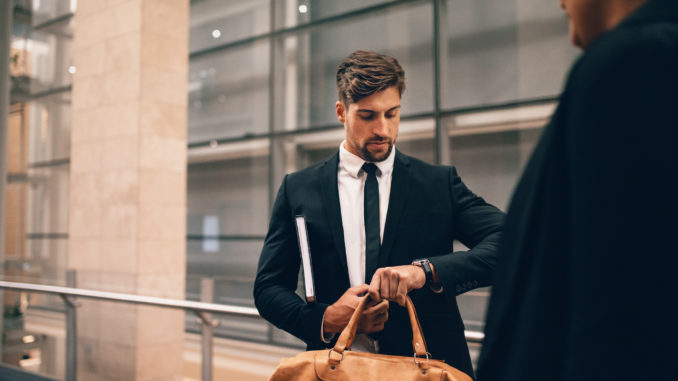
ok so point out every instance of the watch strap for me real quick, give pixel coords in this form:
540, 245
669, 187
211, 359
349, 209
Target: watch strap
425, 264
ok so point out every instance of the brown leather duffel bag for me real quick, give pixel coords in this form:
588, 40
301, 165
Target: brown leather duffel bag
340, 364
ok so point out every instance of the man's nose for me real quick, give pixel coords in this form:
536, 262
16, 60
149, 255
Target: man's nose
380, 126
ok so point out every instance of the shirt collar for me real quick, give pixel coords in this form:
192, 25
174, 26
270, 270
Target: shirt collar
353, 163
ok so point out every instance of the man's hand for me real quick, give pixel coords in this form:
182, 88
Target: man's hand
338, 314
394, 283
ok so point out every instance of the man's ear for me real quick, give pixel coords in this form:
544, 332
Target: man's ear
341, 111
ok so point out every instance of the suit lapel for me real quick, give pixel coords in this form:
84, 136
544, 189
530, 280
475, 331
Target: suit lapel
400, 188
330, 195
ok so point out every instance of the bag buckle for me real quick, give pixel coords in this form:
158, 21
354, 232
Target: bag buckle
416, 358
329, 355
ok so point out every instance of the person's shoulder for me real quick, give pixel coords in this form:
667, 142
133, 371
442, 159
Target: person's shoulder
631, 48
312, 172
424, 167
659, 37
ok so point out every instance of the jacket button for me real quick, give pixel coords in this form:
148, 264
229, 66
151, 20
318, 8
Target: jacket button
458, 288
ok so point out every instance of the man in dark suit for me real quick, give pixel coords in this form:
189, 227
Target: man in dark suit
585, 286
370, 210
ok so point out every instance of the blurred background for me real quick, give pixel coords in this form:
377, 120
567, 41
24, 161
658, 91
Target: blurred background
238, 93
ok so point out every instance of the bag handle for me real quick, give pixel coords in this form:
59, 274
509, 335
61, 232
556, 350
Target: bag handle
348, 334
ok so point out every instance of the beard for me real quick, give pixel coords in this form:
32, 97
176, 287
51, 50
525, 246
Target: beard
378, 156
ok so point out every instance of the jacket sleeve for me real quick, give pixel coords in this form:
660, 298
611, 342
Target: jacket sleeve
277, 277
477, 225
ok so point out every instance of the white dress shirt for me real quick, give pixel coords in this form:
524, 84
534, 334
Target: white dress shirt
351, 182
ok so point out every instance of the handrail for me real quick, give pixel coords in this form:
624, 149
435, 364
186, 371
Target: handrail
471, 336
131, 298
202, 309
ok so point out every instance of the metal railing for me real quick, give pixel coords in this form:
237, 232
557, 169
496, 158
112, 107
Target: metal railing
202, 309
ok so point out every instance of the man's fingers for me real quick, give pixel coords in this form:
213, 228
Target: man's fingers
373, 288
382, 307
374, 317
401, 293
382, 317
378, 324
376, 309
390, 284
384, 286
359, 290
394, 282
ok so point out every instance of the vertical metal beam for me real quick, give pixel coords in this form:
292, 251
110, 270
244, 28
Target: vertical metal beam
275, 19
442, 137
6, 8
207, 295
271, 106
71, 330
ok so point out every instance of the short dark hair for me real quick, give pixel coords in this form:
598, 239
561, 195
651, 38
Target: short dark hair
365, 72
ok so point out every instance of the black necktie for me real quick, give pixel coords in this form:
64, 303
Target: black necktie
372, 240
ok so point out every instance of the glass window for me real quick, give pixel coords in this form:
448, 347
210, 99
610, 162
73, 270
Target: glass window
31, 340
415, 138
218, 22
231, 262
46, 263
45, 11
298, 12
228, 93
37, 195
49, 126
50, 55
48, 200
227, 219
490, 149
545, 53
491, 163
228, 198
309, 60
497, 51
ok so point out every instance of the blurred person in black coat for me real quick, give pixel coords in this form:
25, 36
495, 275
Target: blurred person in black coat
585, 286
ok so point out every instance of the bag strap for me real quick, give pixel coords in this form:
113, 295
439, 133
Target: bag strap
418, 341
348, 334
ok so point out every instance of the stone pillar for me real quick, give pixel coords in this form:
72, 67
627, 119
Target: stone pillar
127, 213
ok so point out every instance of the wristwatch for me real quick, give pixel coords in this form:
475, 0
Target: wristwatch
425, 264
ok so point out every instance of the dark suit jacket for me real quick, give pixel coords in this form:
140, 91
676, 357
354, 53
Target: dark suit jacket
585, 287
429, 207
